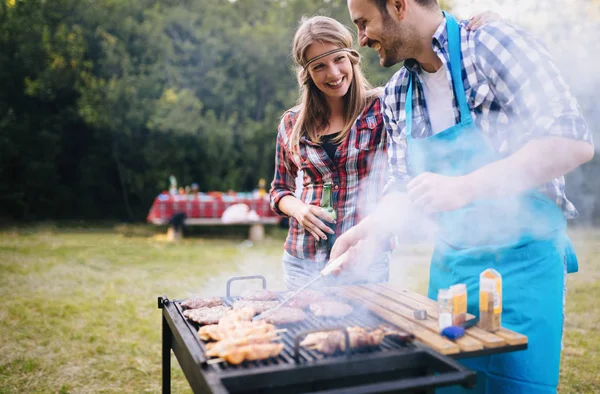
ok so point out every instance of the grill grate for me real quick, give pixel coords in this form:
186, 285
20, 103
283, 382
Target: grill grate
359, 317
394, 366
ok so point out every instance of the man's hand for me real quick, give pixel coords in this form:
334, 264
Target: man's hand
476, 21
311, 218
432, 193
347, 240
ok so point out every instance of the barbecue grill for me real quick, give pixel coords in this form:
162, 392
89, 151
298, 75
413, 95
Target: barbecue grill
392, 367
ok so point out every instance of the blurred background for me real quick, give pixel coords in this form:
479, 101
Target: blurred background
104, 99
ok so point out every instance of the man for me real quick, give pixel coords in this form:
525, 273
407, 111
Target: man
481, 129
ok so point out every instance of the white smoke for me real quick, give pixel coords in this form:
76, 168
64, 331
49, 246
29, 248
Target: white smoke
569, 29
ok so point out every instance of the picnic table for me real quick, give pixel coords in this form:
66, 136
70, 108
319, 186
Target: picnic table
208, 209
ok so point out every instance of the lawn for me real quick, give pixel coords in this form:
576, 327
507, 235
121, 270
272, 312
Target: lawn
80, 312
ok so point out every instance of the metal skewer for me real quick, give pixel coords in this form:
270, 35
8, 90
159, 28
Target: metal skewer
329, 268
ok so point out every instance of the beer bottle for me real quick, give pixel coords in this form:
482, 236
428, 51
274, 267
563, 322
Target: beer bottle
325, 246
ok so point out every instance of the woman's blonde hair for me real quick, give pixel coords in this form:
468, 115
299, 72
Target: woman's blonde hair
314, 113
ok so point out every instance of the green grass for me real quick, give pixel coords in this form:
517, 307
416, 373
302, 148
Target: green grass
79, 311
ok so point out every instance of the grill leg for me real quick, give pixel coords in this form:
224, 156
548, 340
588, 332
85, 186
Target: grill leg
166, 357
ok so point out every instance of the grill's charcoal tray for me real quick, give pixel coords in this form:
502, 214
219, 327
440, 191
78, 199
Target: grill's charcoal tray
392, 367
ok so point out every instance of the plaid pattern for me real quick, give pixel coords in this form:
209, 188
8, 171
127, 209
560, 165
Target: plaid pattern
204, 207
514, 91
358, 174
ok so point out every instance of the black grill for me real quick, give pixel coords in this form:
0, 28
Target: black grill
395, 366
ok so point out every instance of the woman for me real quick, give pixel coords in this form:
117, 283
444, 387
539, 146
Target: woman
334, 135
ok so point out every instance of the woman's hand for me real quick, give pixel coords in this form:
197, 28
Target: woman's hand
476, 21
311, 218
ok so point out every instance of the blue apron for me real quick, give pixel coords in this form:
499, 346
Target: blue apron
522, 237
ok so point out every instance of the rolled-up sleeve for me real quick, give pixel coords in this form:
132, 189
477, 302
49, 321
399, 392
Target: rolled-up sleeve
529, 85
284, 179
398, 177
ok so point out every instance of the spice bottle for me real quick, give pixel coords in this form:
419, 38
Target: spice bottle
444, 308
459, 303
490, 300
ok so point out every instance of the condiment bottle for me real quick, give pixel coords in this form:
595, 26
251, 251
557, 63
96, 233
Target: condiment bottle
459, 303
490, 300
444, 301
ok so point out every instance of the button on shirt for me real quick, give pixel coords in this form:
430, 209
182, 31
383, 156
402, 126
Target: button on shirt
358, 174
514, 91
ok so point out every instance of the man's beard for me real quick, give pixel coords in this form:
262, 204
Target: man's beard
395, 48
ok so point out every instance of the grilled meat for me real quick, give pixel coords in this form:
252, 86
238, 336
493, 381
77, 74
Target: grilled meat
305, 298
285, 315
329, 342
259, 295
205, 316
201, 302
215, 348
232, 317
258, 306
333, 309
258, 351
242, 329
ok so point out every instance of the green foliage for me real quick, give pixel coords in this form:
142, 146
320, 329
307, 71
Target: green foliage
103, 100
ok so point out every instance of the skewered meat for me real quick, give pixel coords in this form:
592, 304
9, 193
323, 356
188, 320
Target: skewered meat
259, 351
330, 309
328, 342
205, 316
215, 348
285, 315
259, 295
243, 329
258, 306
237, 315
201, 302
305, 298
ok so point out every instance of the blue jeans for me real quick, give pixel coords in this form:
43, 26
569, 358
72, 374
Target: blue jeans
297, 272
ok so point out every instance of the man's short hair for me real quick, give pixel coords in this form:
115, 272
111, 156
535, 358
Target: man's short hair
382, 5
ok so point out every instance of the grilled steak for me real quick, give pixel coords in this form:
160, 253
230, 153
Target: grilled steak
258, 306
305, 298
285, 315
259, 295
330, 309
204, 316
201, 302
331, 341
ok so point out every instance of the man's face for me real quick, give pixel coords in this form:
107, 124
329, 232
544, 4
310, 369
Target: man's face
384, 33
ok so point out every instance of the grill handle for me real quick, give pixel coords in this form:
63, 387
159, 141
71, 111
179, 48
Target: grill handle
300, 336
233, 279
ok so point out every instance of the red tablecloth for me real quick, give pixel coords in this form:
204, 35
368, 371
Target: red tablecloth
205, 207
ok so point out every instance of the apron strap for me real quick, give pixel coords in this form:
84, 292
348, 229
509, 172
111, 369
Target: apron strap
455, 66
408, 107
453, 32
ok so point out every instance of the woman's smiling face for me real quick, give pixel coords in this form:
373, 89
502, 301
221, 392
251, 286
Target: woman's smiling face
331, 74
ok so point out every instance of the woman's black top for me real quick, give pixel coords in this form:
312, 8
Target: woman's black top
329, 146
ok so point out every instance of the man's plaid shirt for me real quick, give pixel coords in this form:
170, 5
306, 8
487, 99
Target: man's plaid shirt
513, 88
358, 174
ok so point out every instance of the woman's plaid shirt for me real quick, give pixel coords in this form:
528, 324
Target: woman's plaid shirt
515, 92
358, 174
